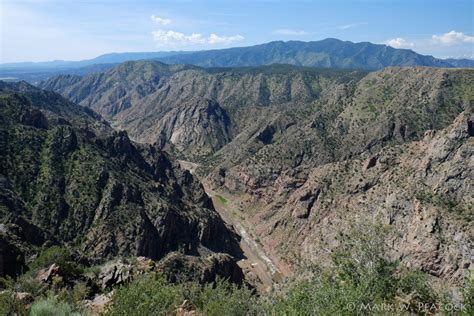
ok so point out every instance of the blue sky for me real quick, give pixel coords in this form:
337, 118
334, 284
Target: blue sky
40, 30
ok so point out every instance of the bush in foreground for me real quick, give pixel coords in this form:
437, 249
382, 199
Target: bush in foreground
151, 294
51, 306
361, 281
146, 295
10, 305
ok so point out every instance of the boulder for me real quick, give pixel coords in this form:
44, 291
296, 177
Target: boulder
115, 273
187, 308
46, 275
99, 303
24, 297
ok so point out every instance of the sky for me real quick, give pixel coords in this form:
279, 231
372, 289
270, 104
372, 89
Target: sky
44, 30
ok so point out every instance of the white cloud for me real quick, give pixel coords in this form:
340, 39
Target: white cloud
399, 43
160, 21
215, 39
172, 38
350, 26
452, 37
288, 32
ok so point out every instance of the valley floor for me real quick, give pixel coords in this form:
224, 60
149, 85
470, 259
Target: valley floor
257, 262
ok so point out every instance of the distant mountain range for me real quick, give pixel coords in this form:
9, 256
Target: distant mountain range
112, 58
328, 53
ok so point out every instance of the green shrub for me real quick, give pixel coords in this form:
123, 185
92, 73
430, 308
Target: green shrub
48, 256
26, 283
414, 286
153, 295
223, 298
62, 256
51, 306
468, 296
23, 283
71, 294
80, 292
221, 199
9, 305
147, 295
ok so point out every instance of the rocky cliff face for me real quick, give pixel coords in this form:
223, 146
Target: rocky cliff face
67, 178
239, 99
307, 151
196, 128
422, 190
384, 108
